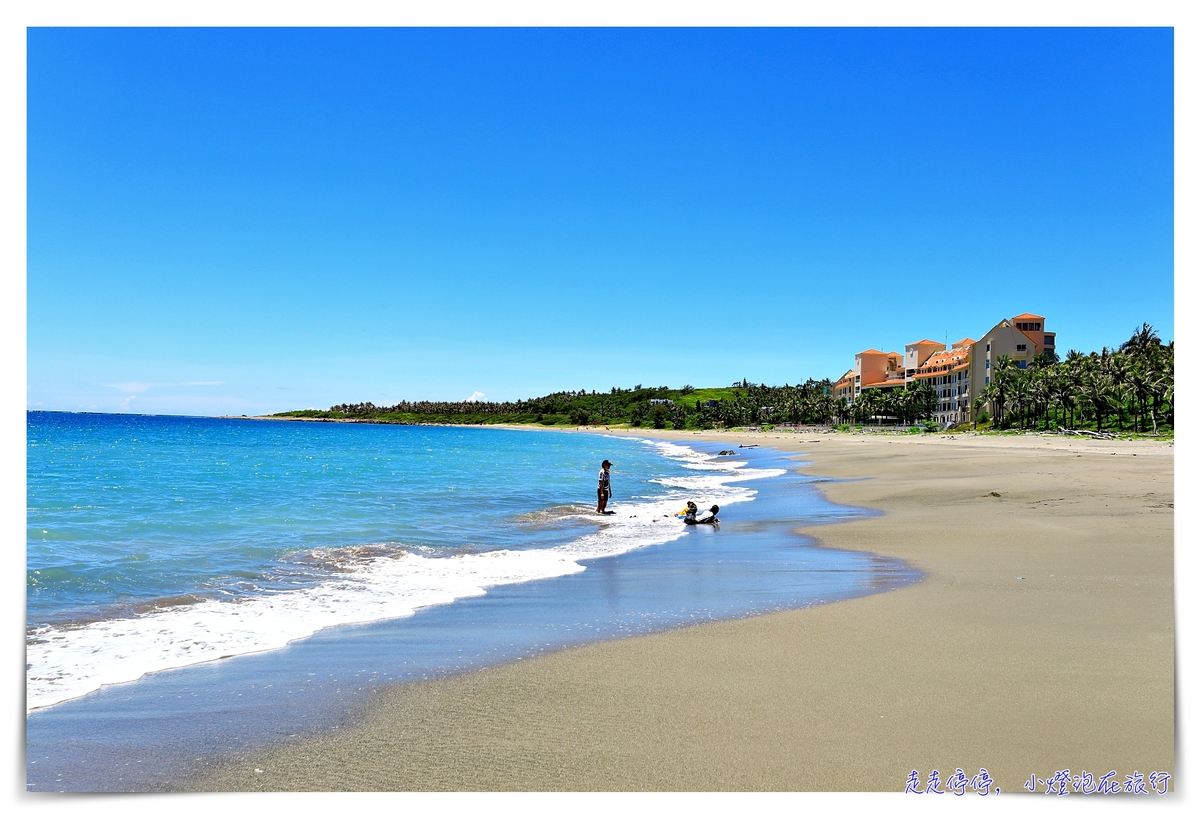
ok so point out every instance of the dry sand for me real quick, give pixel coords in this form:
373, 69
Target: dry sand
1041, 638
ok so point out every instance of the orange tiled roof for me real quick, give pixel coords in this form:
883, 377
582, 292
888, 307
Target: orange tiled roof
945, 355
922, 341
871, 352
964, 342
1025, 316
940, 361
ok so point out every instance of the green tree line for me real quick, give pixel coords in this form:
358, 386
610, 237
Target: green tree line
1130, 388
660, 407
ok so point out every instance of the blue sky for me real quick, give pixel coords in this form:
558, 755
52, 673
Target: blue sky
252, 220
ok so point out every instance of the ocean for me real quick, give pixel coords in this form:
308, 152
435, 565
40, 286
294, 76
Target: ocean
197, 586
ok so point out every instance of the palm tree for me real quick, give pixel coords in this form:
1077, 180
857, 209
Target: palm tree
976, 406
867, 404
906, 404
1142, 341
1162, 383
991, 394
1097, 386
1145, 351
1118, 376
1140, 378
1002, 378
1043, 392
1022, 392
1073, 375
842, 410
826, 408
1064, 394
927, 400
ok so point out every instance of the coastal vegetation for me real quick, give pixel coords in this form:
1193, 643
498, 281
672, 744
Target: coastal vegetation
1128, 389
661, 407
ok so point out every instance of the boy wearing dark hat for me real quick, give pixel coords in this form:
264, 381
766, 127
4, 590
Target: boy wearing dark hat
604, 490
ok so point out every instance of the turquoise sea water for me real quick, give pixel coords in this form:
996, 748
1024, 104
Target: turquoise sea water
156, 542
198, 586
126, 510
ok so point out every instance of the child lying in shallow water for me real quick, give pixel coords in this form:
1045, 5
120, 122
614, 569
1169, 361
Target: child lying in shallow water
711, 519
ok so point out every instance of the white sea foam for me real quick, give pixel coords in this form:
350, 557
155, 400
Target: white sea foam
67, 662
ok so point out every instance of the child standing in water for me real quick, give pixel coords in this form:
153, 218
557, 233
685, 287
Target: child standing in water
604, 489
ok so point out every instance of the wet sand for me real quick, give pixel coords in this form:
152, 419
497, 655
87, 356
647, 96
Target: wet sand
1041, 638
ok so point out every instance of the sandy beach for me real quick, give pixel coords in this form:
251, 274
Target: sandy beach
1041, 639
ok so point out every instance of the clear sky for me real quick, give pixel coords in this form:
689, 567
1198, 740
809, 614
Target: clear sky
253, 220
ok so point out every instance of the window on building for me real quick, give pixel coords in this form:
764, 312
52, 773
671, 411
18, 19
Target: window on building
987, 364
1021, 347
989, 347
1048, 341
1021, 364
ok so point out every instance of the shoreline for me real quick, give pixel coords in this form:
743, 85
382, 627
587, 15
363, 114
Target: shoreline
1025, 652
675, 584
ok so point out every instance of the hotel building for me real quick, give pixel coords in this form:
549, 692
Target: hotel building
947, 372
872, 370
956, 374
1021, 338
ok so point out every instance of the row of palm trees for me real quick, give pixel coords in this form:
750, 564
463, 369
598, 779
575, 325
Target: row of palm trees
806, 403
1130, 388
916, 401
